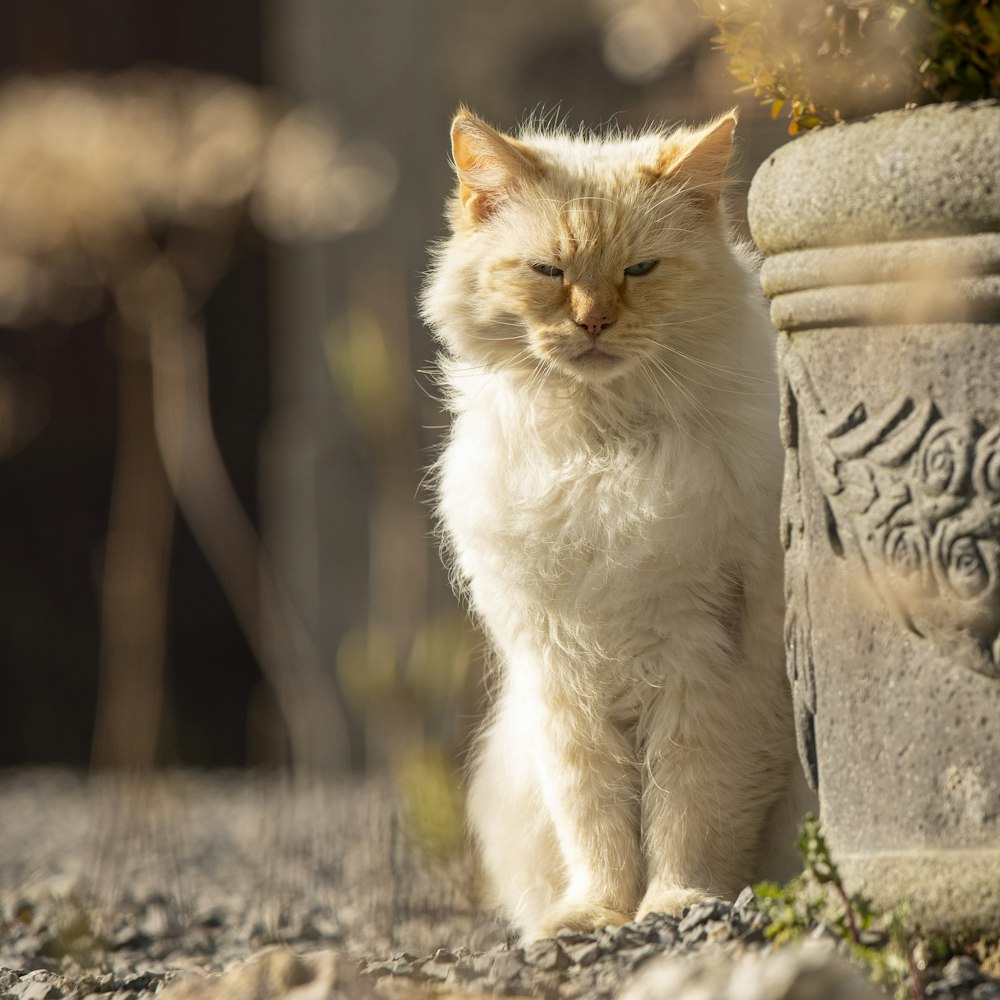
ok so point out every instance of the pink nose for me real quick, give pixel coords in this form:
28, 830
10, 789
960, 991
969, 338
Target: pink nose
593, 322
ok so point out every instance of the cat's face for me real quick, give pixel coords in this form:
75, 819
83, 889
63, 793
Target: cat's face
575, 255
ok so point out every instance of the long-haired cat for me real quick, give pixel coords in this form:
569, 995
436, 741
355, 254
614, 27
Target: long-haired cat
609, 497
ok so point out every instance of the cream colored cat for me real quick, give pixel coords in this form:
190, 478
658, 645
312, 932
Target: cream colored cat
609, 495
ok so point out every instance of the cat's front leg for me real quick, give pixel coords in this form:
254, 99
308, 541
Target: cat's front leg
589, 782
711, 776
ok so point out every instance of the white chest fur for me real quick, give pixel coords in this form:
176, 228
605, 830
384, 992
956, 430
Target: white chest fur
589, 538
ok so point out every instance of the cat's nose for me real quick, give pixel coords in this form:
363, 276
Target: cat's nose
594, 323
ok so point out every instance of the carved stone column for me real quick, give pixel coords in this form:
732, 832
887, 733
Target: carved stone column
883, 246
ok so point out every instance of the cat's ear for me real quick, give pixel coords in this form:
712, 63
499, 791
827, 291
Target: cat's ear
489, 164
700, 158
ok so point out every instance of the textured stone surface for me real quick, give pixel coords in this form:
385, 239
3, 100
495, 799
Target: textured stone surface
811, 972
891, 510
898, 175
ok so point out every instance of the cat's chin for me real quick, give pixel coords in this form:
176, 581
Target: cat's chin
594, 365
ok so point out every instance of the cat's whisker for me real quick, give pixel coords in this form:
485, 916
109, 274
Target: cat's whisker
681, 425
664, 401
489, 338
741, 374
719, 378
727, 389
680, 319
534, 383
699, 414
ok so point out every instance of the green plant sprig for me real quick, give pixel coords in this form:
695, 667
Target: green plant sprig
878, 942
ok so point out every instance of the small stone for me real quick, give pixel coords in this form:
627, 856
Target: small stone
481, 964
744, 900
667, 936
873, 939
506, 965
8, 977
130, 937
607, 939
35, 989
717, 930
987, 991
439, 965
580, 984
607, 982
140, 981
409, 966
547, 955
215, 917
461, 972
699, 914
938, 990
634, 957
630, 936
754, 931
962, 970
585, 953
157, 921
435, 970
161, 950
375, 970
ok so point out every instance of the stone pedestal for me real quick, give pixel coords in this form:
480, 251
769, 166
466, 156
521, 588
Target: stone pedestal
883, 265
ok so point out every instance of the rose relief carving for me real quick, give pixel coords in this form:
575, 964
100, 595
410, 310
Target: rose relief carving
914, 495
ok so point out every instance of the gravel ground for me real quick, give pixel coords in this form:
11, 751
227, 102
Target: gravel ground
112, 890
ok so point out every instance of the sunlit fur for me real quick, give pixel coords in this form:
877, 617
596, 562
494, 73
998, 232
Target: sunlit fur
609, 502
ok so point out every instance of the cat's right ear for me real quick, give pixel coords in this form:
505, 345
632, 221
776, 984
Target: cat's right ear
489, 165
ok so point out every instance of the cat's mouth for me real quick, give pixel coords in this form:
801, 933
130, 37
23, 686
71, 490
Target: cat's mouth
594, 359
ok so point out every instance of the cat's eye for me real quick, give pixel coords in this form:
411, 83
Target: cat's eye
548, 270
638, 270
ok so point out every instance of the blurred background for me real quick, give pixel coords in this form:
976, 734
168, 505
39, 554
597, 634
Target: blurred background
214, 425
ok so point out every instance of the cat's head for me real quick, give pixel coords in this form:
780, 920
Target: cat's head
578, 254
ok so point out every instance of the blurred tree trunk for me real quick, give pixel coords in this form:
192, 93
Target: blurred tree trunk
130, 697
343, 517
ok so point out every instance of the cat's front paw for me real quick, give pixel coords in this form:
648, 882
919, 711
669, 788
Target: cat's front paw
670, 900
576, 916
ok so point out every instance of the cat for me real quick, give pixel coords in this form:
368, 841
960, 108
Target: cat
609, 497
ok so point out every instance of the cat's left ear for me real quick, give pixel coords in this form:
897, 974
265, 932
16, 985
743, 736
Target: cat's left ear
700, 158
489, 165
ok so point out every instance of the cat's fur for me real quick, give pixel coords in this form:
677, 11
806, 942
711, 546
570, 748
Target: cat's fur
609, 497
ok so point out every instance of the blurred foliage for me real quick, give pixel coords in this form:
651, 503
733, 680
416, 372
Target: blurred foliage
432, 805
427, 684
370, 378
366, 666
412, 707
95, 168
826, 62
879, 942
